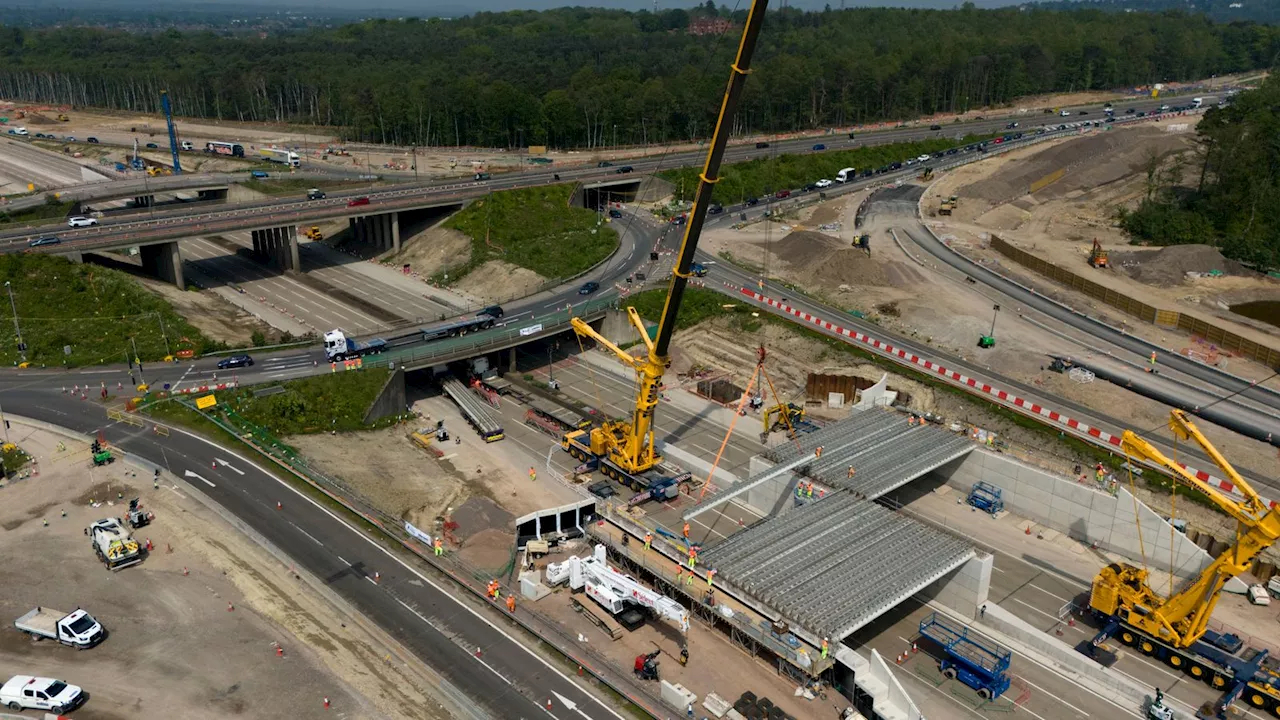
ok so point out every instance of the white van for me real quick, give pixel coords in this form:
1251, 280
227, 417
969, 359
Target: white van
846, 175
37, 693
188, 145
1258, 595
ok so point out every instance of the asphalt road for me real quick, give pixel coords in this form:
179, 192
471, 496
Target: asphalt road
449, 635
901, 198
299, 210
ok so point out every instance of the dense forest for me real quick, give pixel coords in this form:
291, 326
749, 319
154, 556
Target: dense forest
585, 78
1221, 11
1227, 193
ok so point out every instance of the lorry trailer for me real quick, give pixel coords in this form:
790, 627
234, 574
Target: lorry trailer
339, 347
279, 155
76, 629
475, 411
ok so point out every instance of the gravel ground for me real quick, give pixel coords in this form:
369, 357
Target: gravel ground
171, 635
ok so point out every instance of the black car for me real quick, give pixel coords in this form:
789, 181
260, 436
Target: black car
715, 209
493, 311
810, 187
1130, 111
152, 146
868, 173
679, 220
935, 127
588, 288
896, 166
615, 213
623, 169
93, 140
1083, 112
761, 145
235, 361
819, 146
604, 163
753, 201
953, 151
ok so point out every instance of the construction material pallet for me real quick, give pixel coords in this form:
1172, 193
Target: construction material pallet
474, 410
563, 416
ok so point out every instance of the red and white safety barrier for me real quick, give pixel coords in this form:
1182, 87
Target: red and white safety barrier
1003, 396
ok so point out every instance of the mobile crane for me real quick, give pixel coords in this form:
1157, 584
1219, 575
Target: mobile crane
173, 133
624, 449
1175, 629
612, 589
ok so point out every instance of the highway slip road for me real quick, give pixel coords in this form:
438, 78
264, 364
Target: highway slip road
461, 644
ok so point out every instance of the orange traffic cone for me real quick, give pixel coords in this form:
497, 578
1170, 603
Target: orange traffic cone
230, 607
280, 651
1028, 529
184, 572
914, 649
326, 703
279, 506
548, 703
376, 577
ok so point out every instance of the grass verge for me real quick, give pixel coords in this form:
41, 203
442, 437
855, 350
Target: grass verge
52, 209
14, 458
533, 228
99, 313
756, 178
321, 403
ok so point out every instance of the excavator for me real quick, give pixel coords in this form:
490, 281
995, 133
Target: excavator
624, 449
1098, 256
1174, 629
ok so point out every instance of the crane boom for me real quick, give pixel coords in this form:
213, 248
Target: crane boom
173, 133
629, 445
1122, 591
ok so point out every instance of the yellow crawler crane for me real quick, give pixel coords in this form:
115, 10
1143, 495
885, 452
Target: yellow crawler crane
623, 449
1174, 629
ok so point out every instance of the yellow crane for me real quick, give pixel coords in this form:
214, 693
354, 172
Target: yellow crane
624, 448
1175, 628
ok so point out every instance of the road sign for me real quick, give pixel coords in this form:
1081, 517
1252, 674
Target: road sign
531, 329
66, 349
206, 402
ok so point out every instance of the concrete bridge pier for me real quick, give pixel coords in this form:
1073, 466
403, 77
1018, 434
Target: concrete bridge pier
164, 260
380, 231
213, 194
278, 247
143, 201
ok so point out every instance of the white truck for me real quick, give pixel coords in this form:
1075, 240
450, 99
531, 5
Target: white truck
39, 693
285, 157
77, 629
113, 544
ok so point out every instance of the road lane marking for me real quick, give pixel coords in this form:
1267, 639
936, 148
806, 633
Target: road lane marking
1046, 592
1054, 618
309, 535
394, 558
1055, 697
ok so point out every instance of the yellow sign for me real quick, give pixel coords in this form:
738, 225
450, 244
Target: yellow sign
537, 149
206, 402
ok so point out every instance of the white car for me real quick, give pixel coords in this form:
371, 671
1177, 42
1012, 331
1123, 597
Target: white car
20, 131
923, 158
37, 693
79, 221
1064, 113
823, 183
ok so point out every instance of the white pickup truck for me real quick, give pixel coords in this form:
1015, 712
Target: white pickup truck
77, 629
37, 693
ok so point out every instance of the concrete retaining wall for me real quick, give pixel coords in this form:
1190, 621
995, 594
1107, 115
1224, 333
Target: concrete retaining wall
964, 589
1081, 512
390, 401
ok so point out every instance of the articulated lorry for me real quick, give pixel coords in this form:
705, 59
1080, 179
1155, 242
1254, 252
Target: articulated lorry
278, 155
338, 347
77, 629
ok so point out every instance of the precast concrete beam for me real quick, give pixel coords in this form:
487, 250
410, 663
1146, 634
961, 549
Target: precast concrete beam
743, 487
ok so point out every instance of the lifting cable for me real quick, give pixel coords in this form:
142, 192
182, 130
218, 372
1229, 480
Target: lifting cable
1133, 493
591, 373
725, 443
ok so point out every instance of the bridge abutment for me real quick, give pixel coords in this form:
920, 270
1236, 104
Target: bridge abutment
164, 260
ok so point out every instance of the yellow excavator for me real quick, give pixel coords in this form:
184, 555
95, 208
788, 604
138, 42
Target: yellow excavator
1174, 629
623, 449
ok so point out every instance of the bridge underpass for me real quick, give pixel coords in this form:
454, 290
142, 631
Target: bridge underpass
628, 188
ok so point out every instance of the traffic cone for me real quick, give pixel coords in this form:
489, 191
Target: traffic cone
279, 651
1028, 530
279, 506
914, 649
213, 465
326, 703
185, 572
548, 703
376, 576
230, 607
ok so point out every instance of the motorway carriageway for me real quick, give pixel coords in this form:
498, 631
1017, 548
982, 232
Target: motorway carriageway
455, 188
459, 641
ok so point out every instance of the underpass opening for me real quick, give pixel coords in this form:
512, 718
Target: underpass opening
605, 195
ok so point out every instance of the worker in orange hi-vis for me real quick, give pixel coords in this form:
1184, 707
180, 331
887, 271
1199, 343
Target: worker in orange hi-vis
439, 546
850, 472
648, 538
533, 474
686, 531
693, 559
710, 575
511, 603
818, 452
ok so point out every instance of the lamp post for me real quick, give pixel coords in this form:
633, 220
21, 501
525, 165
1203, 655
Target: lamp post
22, 347
995, 310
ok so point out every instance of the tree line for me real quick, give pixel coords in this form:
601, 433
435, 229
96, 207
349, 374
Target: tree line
1225, 193
592, 78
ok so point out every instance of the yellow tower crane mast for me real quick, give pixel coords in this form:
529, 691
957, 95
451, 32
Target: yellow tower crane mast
1175, 628
624, 448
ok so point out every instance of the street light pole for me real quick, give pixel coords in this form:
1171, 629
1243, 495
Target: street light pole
22, 347
142, 380
995, 310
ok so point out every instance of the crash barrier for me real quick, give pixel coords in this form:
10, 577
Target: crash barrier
1214, 334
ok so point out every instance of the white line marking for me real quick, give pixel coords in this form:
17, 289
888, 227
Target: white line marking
1046, 592
201, 478
344, 561
1036, 609
406, 566
433, 627
1055, 697
309, 535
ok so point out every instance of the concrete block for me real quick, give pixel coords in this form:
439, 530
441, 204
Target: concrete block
677, 696
734, 715
716, 705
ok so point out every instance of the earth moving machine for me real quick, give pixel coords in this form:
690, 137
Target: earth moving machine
1098, 256
313, 233
646, 667
624, 449
982, 666
113, 545
62, 117
101, 456
1174, 629
613, 590
945, 207
77, 629
788, 415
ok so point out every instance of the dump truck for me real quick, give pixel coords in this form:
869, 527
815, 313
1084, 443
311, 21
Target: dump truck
113, 545
945, 208
76, 629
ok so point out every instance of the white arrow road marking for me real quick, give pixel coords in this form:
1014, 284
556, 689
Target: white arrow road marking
569, 704
206, 482
228, 466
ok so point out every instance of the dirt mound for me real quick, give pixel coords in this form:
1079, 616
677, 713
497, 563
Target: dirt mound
436, 250
499, 281
829, 260
1066, 155
1170, 265
490, 549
